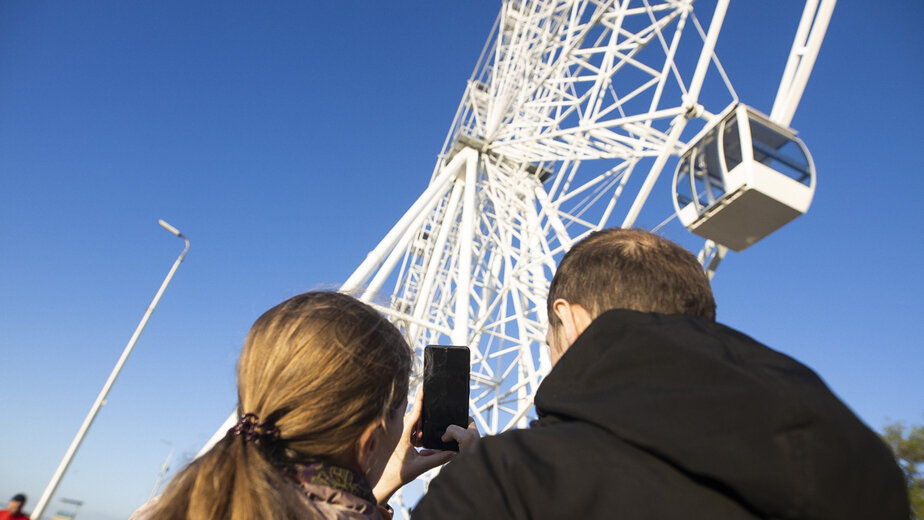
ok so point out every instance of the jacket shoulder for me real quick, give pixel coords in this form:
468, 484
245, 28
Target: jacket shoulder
566, 470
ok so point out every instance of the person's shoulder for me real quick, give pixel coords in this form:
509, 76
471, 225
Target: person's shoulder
510, 445
478, 483
321, 501
515, 458
552, 471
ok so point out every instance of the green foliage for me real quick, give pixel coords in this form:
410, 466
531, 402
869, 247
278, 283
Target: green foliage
909, 452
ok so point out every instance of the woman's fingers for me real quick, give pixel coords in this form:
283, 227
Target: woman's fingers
412, 420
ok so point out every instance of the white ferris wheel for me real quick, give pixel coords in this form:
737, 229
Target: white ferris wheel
568, 100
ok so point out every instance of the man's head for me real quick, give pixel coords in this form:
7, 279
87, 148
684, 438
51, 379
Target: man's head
16, 503
623, 269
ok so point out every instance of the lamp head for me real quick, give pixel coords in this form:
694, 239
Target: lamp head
169, 228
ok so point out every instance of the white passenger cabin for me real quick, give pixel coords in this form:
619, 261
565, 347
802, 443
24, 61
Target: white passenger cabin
742, 187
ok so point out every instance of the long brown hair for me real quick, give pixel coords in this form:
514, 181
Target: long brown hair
320, 367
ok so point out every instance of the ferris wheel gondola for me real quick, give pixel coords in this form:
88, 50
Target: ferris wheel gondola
741, 178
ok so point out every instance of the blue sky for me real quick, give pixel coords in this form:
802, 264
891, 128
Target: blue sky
285, 139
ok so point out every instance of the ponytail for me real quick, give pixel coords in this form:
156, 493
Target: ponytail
318, 368
233, 481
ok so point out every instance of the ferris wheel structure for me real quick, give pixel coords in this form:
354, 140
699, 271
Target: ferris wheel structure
567, 102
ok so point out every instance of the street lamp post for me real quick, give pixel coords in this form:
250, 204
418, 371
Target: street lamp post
101, 398
164, 468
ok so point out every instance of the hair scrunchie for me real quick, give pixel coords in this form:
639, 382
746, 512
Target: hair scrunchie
251, 429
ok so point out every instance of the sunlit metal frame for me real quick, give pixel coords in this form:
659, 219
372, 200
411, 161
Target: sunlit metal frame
567, 99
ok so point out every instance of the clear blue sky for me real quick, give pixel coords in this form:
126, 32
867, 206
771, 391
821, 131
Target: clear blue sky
286, 138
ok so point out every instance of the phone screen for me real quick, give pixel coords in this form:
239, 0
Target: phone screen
445, 393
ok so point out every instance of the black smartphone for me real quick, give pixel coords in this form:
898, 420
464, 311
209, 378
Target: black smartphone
445, 393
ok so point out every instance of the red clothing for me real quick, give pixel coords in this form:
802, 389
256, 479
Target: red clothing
6, 515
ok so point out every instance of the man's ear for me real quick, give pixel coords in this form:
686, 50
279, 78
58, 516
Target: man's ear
367, 444
574, 319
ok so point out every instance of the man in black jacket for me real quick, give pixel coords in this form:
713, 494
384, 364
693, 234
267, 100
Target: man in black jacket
654, 411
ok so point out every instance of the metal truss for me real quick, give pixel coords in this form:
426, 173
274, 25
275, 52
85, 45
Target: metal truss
567, 100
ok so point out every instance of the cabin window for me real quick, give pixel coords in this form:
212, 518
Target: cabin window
780, 153
731, 144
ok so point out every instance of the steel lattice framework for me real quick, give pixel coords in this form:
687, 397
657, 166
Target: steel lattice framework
567, 99
470, 262
566, 102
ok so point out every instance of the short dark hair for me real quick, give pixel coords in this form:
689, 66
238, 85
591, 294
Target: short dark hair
19, 497
631, 269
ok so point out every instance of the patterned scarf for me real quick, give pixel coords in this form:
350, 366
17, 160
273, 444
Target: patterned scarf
336, 477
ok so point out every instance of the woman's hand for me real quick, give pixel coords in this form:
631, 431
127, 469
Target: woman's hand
407, 463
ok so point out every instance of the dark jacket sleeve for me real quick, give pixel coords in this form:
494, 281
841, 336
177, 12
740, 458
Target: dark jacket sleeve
476, 484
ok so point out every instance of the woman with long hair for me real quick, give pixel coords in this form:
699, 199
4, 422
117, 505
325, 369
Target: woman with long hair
322, 389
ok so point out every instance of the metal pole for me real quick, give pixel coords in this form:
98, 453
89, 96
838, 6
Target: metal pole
164, 468
784, 108
691, 100
101, 398
805, 47
375, 257
466, 237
